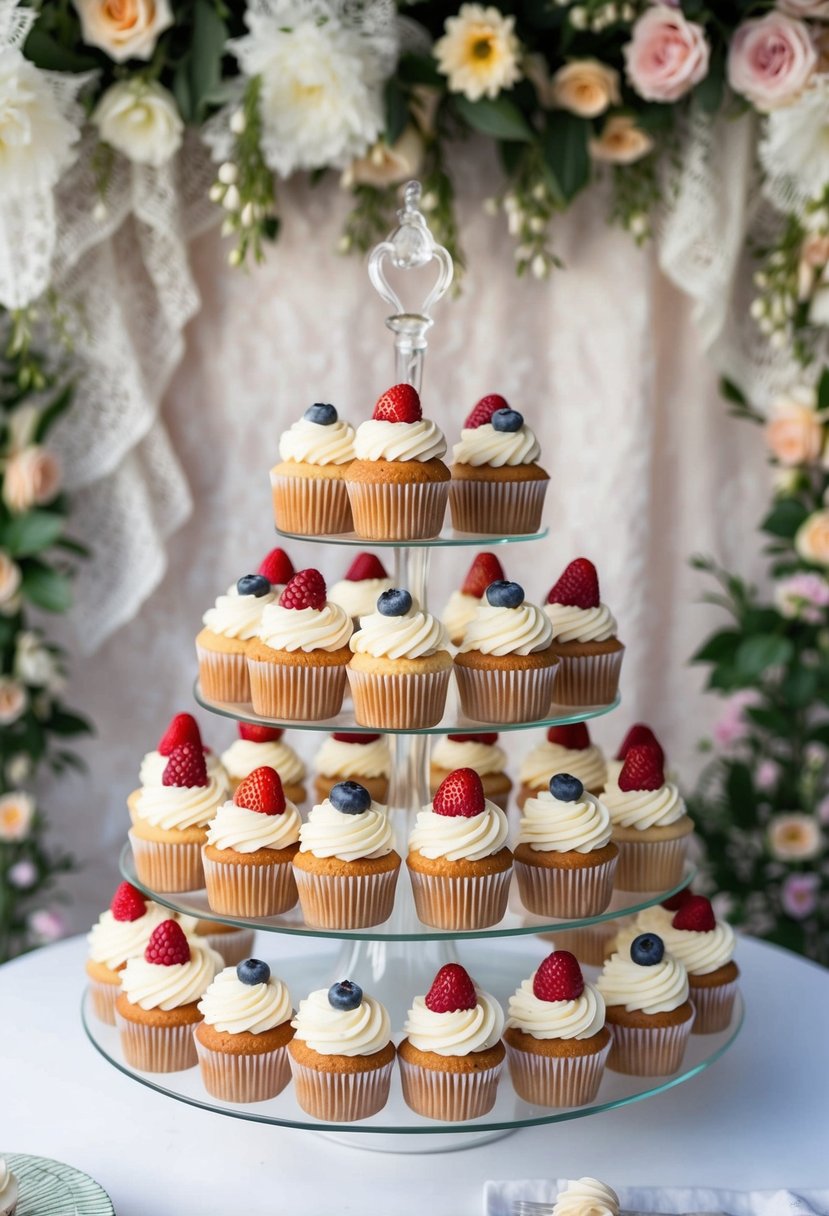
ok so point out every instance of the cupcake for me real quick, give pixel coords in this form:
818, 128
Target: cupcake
497, 484
400, 667
346, 868
158, 1004
242, 1040
505, 665
586, 1197
556, 1039
363, 758
170, 822
357, 593
308, 486
121, 933
462, 605
477, 751
183, 728
565, 859
705, 947
647, 1008
9, 1190
231, 943
341, 1054
398, 484
452, 1056
263, 745
650, 824
458, 861
584, 638
567, 749
655, 919
638, 735
251, 843
297, 663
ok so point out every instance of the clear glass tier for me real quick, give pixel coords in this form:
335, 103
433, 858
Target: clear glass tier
447, 539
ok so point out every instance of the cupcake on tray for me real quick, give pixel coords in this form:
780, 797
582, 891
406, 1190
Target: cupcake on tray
346, 868
231, 943
398, 483
567, 749
565, 860
120, 933
341, 1055
497, 485
650, 824
365, 579
297, 663
458, 861
183, 728
584, 638
505, 666
477, 751
400, 666
645, 990
556, 1039
9, 1189
705, 947
364, 758
655, 919
250, 846
308, 486
463, 604
452, 1056
586, 1197
242, 1040
263, 745
639, 735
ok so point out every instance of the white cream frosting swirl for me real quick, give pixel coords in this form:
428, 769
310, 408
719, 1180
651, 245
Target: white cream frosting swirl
484, 445
587, 1197
360, 597
238, 616
421, 440
577, 1019
175, 806
330, 833
231, 1007
459, 1032
700, 952
342, 1032
484, 758
155, 986
571, 624
326, 628
416, 635
310, 442
650, 920
546, 759
245, 831
112, 942
458, 838
8, 1182
549, 825
244, 755
500, 631
657, 989
644, 808
153, 765
349, 760
459, 611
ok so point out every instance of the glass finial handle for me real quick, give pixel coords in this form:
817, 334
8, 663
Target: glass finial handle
411, 246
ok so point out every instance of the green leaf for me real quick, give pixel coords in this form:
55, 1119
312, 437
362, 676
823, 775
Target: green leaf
420, 69
739, 791
47, 588
800, 687
204, 62
47, 53
498, 117
731, 392
709, 92
756, 654
823, 390
30, 533
785, 518
52, 412
64, 722
565, 152
721, 645
397, 110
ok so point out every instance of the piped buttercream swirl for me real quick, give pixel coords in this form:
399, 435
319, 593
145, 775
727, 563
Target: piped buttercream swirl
577, 1019
587, 1197
484, 758
245, 831
457, 1033
643, 809
342, 1032
458, 837
571, 624
700, 952
546, 759
360, 597
173, 806
416, 635
549, 825
309, 442
349, 760
155, 986
238, 616
245, 755
112, 942
329, 833
484, 445
231, 1007
660, 988
500, 631
307, 629
421, 440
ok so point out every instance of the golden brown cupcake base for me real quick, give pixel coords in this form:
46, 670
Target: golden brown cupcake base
589, 671
399, 694
157, 1040
310, 499
250, 884
104, 987
648, 1044
569, 885
223, 669
498, 501
244, 1067
296, 685
652, 859
450, 1088
712, 996
556, 1072
506, 688
340, 1089
463, 894
398, 500
167, 860
336, 894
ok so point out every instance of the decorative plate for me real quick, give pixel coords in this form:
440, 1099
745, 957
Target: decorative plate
50, 1188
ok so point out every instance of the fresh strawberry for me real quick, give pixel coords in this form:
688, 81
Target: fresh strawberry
559, 978
400, 403
578, 586
186, 767
167, 945
261, 791
638, 734
277, 567
642, 769
452, 990
304, 590
365, 565
128, 903
675, 902
489, 739
255, 733
483, 411
696, 914
459, 793
183, 728
484, 570
575, 737
344, 737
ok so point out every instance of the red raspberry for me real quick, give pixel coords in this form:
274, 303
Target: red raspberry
578, 586
183, 728
489, 739
344, 737
186, 767
642, 769
483, 411
638, 734
128, 903
675, 902
575, 736
559, 978
400, 403
167, 945
484, 570
365, 565
451, 991
460, 793
261, 791
304, 590
696, 914
277, 567
255, 733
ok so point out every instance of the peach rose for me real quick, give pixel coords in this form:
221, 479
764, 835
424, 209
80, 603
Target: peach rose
32, 478
621, 142
9, 579
770, 60
794, 434
812, 539
124, 29
794, 837
667, 55
12, 700
16, 813
385, 165
814, 254
585, 87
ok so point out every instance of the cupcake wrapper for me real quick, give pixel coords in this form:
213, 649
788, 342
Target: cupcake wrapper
452, 1097
301, 694
653, 1051
497, 508
349, 901
714, 1007
156, 1048
103, 998
398, 510
310, 506
497, 695
650, 865
460, 903
242, 1078
162, 866
556, 1080
399, 702
254, 890
341, 1097
223, 677
588, 679
567, 894
232, 947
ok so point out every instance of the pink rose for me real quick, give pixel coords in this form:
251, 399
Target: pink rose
45, 925
732, 725
32, 479
666, 56
798, 895
770, 60
805, 8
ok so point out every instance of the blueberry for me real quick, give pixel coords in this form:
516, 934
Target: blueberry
507, 420
566, 787
253, 584
647, 949
350, 798
394, 602
323, 415
502, 594
345, 995
253, 971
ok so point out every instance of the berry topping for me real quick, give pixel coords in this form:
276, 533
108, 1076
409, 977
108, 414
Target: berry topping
638, 734
255, 733
566, 787
350, 798
460, 793
642, 769
183, 728
253, 971
365, 565
323, 415
305, 589
253, 584
484, 570
167, 946
128, 903
400, 403
186, 767
452, 990
558, 978
575, 736
674, 902
507, 420
344, 737
394, 602
345, 995
502, 594
484, 410
578, 586
695, 914
490, 738
647, 949
277, 567
261, 791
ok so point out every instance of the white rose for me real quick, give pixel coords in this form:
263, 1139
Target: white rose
385, 165
12, 700
140, 120
811, 540
9, 579
16, 813
125, 29
33, 663
31, 479
36, 139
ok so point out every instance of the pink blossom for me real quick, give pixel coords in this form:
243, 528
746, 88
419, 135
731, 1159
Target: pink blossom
46, 925
667, 55
732, 726
798, 895
822, 811
23, 874
771, 59
767, 775
803, 596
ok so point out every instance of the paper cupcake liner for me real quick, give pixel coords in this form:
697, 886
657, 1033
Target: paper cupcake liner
223, 677
653, 1051
714, 1007
243, 1078
163, 866
310, 506
490, 694
295, 693
398, 510
650, 865
452, 1097
556, 1080
341, 1097
349, 901
497, 508
567, 894
156, 1048
460, 903
399, 702
103, 997
589, 944
233, 947
249, 890
588, 679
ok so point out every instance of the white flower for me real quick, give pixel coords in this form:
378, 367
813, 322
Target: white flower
125, 29
36, 138
794, 837
34, 664
140, 119
795, 142
18, 768
385, 165
479, 52
16, 813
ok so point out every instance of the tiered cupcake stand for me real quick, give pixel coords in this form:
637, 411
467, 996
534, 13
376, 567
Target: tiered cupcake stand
398, 959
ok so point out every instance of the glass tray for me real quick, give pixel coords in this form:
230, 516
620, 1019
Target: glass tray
447, 539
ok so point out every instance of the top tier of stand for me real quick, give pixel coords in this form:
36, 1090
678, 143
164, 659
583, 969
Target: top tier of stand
448, 539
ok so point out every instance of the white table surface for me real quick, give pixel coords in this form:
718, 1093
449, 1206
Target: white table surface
758, 1119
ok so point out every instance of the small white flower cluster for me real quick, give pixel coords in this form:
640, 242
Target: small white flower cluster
240, 214
529, 214
598, 16
775, 307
